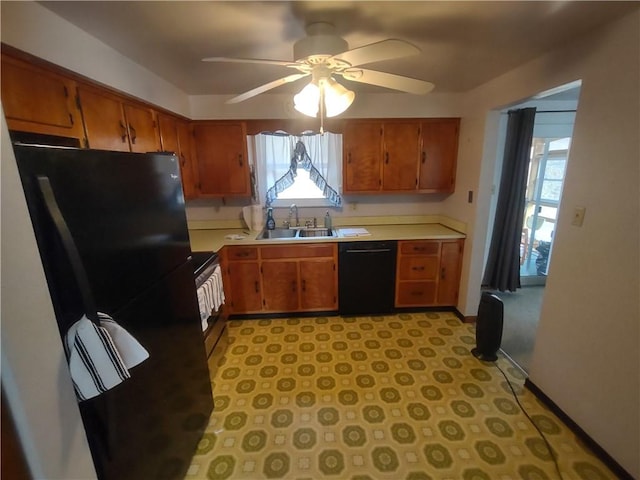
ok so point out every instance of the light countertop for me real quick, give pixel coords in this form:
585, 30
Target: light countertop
215, 239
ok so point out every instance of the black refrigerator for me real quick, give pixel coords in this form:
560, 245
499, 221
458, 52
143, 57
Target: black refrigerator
126, 215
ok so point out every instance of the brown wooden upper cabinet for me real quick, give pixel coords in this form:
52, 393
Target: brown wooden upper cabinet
112, 123
221, 159
177, 137
39, 101
400, 155
187, 159
439, 154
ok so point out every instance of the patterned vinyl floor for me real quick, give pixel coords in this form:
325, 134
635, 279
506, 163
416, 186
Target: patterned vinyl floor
391, 397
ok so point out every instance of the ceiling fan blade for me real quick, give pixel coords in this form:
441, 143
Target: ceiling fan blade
376, 52
389, 80
250, 60
266, 86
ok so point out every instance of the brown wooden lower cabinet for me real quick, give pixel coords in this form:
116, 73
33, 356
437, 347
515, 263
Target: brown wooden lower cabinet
280, 278
428, 272
303, 278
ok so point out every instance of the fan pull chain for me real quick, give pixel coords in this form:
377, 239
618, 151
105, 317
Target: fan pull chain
321, 108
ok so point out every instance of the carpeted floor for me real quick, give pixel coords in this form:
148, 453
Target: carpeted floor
521, 316
388, 397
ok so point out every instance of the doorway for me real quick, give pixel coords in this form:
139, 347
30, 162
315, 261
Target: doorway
550, 150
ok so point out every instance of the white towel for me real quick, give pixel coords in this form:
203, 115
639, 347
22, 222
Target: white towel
100, 356
210, 296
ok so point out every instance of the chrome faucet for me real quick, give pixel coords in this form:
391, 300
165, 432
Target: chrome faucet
291, 209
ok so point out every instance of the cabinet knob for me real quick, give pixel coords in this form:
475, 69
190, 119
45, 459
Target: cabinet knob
257, 285
386, 157
134, 135
442, 273
240, 159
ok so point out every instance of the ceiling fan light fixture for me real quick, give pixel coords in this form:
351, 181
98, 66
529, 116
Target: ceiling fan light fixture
336, 98
307, 101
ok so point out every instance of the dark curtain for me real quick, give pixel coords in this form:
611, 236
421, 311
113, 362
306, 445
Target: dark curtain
503, 264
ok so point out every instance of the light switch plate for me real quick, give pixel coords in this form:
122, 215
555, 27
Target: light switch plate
578, 216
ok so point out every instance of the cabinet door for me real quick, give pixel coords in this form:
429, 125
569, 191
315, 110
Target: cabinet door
185, 142
400, 156
450, 263
280, 286
104, 120
222, 159
168, 127
143, 133
38, 101
362, 150
439, 155
244, 287
318, 281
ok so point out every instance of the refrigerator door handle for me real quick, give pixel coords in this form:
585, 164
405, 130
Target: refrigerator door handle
70, 247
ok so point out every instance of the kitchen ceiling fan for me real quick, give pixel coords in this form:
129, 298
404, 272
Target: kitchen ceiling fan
322, 55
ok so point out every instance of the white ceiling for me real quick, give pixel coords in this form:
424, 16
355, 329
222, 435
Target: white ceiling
464, 44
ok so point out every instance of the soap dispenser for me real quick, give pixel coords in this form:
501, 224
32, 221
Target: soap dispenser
327, 221
271, 223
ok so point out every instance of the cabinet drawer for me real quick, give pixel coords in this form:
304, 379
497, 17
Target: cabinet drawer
416, 293
418, 268
420, 248
298, 251
242, 253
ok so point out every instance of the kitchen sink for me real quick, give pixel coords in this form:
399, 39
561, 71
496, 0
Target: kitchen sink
293, 233
315, 232
276, 233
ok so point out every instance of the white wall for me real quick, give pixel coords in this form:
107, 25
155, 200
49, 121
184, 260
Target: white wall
586, 356
35, 376
364, 106
34, 29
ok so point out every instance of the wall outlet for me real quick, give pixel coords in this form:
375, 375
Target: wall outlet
578, 216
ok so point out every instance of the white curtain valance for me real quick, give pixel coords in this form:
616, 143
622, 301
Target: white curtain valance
277, 156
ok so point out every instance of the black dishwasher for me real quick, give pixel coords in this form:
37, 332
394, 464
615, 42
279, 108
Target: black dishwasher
366, 277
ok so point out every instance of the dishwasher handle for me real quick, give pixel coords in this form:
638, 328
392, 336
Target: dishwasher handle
371, 250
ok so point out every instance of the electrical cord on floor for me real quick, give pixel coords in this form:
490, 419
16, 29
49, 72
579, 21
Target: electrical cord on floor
542, 435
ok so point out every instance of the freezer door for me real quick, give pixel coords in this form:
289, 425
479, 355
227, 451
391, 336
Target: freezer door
149, 425
125, 212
